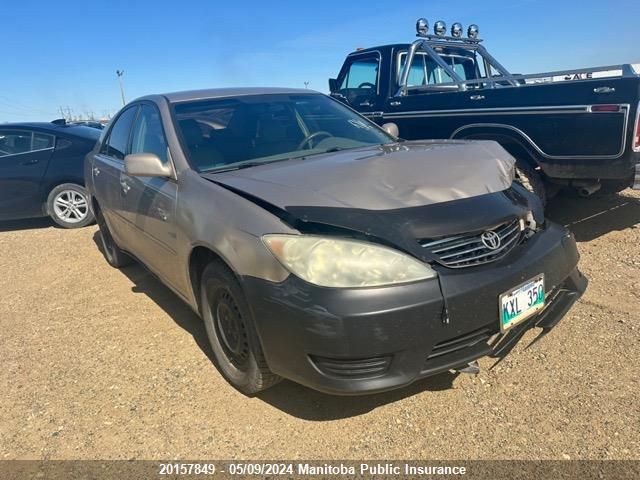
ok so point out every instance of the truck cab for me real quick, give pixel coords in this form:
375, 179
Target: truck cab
577, 128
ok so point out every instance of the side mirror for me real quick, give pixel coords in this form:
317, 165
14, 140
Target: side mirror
333, 85
392, 129
146, 165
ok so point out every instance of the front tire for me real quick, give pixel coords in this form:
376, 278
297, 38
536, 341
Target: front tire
231, 331
68, 205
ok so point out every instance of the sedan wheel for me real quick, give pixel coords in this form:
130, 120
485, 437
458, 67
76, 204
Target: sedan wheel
71, 206
68, 205
230, 327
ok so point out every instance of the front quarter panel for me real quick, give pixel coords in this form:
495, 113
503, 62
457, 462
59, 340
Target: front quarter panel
211, 216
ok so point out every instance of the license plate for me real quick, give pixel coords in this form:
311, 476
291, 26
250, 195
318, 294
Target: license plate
520, 303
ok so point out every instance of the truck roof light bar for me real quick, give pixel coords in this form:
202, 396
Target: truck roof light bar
456, 30
473, 32
422, 27
440, 30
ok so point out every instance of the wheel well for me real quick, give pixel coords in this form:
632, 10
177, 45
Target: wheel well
201, 257
519, 150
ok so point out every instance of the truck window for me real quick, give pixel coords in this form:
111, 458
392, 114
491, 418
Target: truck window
362, 73
425, 71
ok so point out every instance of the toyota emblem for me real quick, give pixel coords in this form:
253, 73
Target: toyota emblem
490, 239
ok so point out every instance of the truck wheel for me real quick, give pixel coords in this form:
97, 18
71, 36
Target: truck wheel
532, 181
232, 335
610, 187
68, 206
112, 253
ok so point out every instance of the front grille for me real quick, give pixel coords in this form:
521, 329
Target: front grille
469, 250
352, 368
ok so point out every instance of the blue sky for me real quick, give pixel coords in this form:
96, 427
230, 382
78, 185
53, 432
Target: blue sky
65, 53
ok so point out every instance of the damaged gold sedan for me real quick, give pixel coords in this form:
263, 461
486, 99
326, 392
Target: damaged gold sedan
318, 247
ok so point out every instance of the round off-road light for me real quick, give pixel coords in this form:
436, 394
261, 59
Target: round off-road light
473, 31
456, 30
440, 28
422, 26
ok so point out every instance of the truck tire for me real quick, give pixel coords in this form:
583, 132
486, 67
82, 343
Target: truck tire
532, 181
610, 187
231, 331
68, 205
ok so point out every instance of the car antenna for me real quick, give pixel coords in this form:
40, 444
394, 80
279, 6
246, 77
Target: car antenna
59, 121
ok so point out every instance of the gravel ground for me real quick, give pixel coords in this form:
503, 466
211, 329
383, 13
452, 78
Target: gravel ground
101, 363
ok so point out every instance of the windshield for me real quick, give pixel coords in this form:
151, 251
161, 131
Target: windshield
243, 131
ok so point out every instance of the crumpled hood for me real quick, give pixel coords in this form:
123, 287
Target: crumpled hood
408, 174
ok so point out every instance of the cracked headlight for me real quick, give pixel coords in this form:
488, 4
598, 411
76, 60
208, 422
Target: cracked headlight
332, 262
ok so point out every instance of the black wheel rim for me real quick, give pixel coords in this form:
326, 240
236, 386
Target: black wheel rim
230, 328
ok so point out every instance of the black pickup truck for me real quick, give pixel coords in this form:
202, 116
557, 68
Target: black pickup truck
578, 128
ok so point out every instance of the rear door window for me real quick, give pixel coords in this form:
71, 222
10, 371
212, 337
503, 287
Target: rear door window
117, 143
42, 141
15, 142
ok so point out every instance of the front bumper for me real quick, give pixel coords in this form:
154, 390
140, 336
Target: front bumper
353, 341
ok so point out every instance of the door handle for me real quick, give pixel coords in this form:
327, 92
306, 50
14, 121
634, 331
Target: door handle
476, 97
96, 171
125, 187
30, 162
604, 90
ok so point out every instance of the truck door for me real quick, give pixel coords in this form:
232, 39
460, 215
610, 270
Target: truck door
434, 104
24, 156
359, 83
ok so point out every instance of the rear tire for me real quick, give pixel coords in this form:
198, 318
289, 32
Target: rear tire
68, 205
610, 187
531, 180
231, 331
112, 253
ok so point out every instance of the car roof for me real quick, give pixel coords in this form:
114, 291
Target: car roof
190, 95
55, 129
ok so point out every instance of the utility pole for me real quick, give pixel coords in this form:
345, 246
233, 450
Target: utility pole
119, 73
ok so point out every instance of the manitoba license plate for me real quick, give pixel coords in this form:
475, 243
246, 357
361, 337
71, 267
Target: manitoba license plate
520, 303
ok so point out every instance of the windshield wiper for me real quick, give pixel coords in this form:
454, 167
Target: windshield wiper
239, 166
246, 164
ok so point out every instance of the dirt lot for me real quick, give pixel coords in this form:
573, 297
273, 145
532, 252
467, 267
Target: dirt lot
101, 363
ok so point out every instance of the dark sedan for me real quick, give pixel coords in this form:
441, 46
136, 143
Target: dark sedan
41, 172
